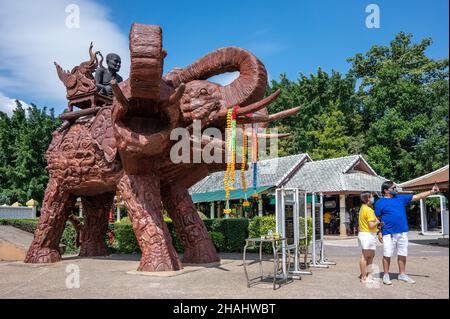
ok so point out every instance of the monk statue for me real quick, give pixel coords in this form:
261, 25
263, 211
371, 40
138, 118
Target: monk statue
103, 76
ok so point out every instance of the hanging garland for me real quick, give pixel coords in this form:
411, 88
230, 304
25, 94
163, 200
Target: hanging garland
231, 156
246, 203
255, 159
229, 177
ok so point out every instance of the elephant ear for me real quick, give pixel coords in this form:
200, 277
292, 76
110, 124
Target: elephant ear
102, 133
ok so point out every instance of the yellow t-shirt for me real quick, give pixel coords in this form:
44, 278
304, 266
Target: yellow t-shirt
327, 218
366, 214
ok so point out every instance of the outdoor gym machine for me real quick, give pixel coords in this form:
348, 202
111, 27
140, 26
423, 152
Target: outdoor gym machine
444, 217
293, 199
318, 238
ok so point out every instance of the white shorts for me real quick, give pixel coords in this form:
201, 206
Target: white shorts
392, 241
367, 240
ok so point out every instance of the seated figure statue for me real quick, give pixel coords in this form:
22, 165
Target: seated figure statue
103, 76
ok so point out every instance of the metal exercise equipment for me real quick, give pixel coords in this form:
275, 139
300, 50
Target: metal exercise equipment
279, 271
291, 205
444, 217
322, 262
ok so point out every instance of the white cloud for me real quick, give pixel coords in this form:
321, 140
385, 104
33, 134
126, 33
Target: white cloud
225, 78
7, 105
33, 34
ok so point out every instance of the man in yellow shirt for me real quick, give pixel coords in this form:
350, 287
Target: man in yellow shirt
326, 222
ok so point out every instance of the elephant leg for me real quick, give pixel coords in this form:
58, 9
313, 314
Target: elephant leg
142, 198
57, 206
95, 211
198, 246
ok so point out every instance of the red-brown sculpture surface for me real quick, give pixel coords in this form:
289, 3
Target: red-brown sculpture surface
126, 146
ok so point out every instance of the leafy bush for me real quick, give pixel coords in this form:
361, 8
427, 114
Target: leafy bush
218, 240
29, 225
235, 231
309, 229
125, 241
259, 226
68, 239
228, 235
176, 242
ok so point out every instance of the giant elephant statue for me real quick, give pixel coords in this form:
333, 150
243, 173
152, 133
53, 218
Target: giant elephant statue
125, 146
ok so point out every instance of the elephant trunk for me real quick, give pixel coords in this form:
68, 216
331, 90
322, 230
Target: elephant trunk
248, 88
147, 57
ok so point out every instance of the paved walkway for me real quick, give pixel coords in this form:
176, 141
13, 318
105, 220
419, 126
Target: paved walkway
108, 278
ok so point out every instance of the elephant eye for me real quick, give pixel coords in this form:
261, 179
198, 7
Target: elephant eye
203, 92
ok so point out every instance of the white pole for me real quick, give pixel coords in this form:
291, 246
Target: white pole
260, 206
211, 210
423, 218
321, 227
313, 216
314, 257
342, 209
283, 229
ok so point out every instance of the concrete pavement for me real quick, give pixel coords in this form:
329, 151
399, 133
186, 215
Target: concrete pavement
108, 278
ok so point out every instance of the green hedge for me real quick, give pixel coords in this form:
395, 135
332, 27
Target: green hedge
126, 242
228, 235
29, 225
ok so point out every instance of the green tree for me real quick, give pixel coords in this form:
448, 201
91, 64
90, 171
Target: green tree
331, 135
403, 98
24, 138
328, 103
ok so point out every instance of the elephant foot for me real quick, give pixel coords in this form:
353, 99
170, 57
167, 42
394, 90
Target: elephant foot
198, 246
93, 249
56, 207
203, 252
141, 195
154, 263
93, 233
42, 256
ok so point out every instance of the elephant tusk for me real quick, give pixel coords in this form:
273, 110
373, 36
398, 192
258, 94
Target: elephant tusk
176, 96
252, 108
258, 118
284, 114
270, 135
205, 140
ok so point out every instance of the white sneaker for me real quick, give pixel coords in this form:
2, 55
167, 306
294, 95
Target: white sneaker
387, 280
405, 278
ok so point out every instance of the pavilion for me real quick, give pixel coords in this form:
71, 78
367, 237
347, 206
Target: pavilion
340, 180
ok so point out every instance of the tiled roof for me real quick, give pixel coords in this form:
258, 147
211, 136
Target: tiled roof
271, 172
438, 176
335, 175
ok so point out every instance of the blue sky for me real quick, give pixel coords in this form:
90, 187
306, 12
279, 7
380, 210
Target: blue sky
288, 36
